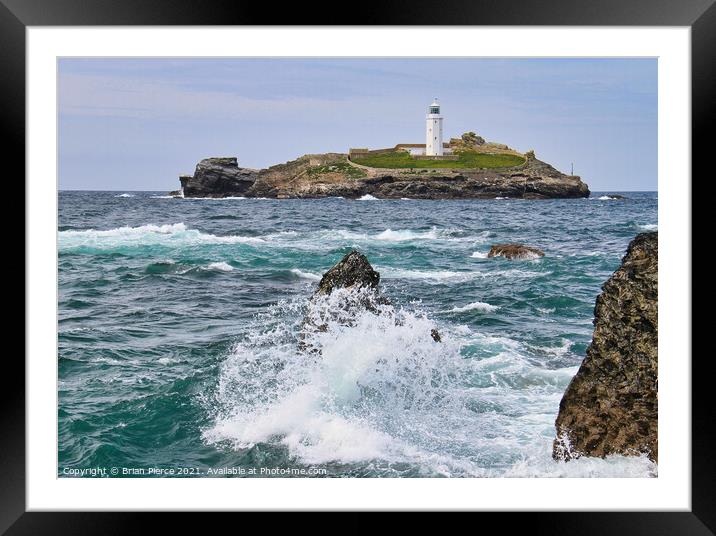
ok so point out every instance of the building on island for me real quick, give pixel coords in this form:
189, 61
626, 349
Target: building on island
433, 149
434, 130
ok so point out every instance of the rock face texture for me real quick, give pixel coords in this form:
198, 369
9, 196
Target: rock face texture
333, 175
218, 177
353, 270
515, 251
610, 407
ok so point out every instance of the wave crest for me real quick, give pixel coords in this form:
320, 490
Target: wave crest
169, 235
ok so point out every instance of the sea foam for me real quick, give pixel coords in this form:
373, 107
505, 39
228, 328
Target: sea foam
381, 394
305, 275
220, 266
169, 235
476, 306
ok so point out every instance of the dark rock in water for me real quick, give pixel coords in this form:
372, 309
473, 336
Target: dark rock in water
357, 281
218, 177
610, 407
353, 270
515, 251
175, 193
615, 196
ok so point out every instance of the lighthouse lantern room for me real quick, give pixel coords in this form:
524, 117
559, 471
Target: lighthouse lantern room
434, 130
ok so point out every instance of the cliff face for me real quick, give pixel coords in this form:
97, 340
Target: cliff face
610, 407
218, 177
333, 175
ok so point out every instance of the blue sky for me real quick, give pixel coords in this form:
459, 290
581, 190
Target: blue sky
136, 124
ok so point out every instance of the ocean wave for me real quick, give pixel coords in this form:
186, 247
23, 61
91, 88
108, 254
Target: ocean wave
400, 236
648, 227
124, 195
439, 275
169, 235
613, 466
382, 395
220, 266
407, 235
229, 198
456, 276
478, 255
476, 306
368, 197
305, 275
559, 351
320, 410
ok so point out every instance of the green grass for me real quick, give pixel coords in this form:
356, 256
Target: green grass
337, 167
471, 159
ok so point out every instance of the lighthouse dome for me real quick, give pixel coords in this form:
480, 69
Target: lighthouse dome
435, 107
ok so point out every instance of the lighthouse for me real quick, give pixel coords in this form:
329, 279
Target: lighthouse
434, 130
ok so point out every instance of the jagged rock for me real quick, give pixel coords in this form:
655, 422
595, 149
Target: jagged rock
357, 281
353, 270
175, 193
611, 405
218, 177
353, 273
515, 251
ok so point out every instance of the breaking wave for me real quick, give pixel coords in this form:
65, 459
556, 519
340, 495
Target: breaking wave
305, 275
171, 235
220, 266
377, 392
476, 306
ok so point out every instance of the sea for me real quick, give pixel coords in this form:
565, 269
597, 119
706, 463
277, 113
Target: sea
179, 349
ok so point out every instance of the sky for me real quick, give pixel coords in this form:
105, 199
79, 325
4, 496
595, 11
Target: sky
138, 123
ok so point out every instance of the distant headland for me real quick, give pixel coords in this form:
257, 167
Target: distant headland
467, 167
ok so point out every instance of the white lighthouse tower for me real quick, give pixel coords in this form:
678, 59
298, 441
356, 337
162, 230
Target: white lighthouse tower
434, 130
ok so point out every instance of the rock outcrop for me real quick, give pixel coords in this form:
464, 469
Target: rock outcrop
349, 287
334, 175
515, 251
610, 407
351, 271
218, 177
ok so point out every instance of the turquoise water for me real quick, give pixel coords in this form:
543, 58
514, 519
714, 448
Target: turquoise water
178, 323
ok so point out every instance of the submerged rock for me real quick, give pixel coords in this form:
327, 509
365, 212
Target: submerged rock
610, 407
515, 251
218, 177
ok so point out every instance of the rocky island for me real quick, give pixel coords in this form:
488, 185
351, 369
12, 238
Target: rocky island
473, 169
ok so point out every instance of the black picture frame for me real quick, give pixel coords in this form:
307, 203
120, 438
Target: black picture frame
699, 15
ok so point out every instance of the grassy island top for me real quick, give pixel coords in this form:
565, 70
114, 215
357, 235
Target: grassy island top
467, 159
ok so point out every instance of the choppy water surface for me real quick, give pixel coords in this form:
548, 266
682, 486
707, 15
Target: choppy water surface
178, 323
